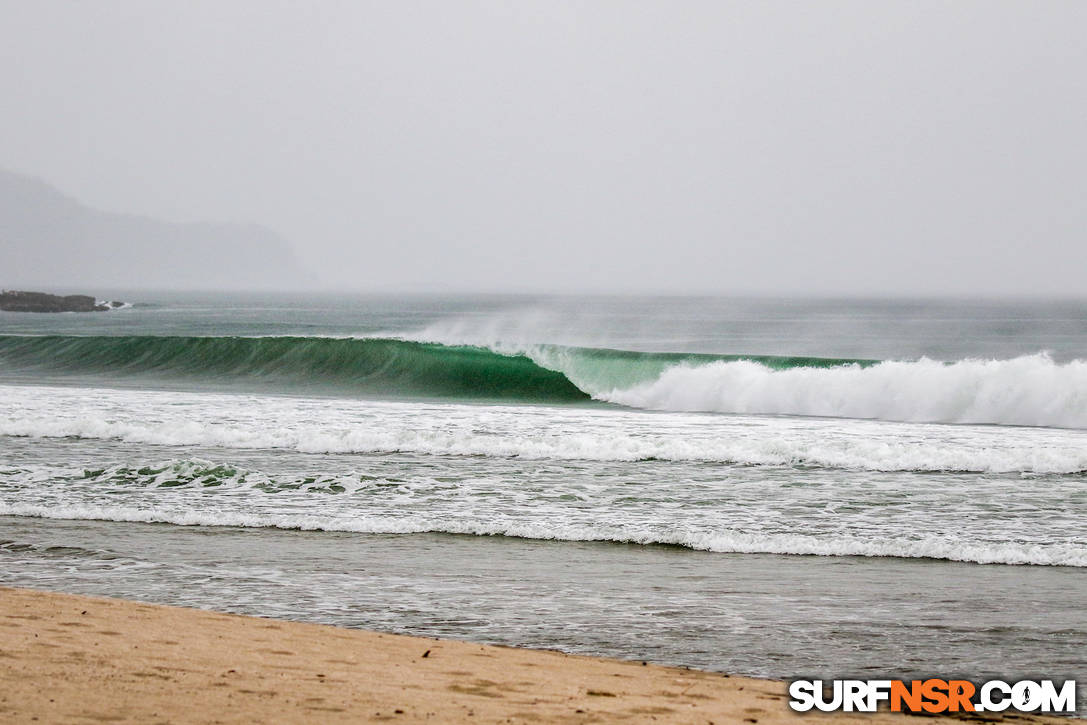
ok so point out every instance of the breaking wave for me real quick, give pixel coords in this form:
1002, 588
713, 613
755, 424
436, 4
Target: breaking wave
1032, 390
345, 365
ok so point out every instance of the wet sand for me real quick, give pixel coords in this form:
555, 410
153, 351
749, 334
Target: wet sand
66, 658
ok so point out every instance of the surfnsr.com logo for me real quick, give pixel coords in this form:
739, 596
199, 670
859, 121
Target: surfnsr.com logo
933, 696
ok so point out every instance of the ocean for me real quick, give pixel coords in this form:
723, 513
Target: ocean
783, 488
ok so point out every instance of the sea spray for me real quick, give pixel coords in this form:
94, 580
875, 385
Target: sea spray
1031, 390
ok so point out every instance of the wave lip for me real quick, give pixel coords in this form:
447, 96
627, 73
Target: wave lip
353, 365
1030, 390
1027, 391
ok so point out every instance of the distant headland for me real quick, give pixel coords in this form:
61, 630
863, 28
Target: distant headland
19, 301
50, 240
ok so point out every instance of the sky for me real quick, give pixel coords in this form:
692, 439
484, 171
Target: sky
718, 147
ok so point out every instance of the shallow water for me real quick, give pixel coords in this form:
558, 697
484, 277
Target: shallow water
612, 476
759, 614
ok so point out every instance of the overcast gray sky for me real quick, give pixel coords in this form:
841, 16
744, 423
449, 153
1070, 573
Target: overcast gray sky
775, 147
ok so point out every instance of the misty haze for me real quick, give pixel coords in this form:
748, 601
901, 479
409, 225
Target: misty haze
700, 338
54, 241
712, 148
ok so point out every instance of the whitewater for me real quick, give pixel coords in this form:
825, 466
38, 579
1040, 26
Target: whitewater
736, 483
322, 425
787, 450
691, 480
1031, 390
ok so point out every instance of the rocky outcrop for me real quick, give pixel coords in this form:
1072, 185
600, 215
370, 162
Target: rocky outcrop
16, 301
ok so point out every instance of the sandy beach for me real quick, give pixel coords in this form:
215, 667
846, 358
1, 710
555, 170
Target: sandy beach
66, 658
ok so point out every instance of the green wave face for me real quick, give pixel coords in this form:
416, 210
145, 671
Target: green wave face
385, 367
388, 367
601, 370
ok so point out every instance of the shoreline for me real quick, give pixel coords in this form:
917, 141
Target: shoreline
75, 658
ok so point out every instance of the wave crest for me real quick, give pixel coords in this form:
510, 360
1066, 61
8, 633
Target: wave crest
344, 365
1031, 390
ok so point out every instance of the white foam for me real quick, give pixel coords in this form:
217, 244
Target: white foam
722, 542
878, 455
1031, 390
1029, 517
534, 432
